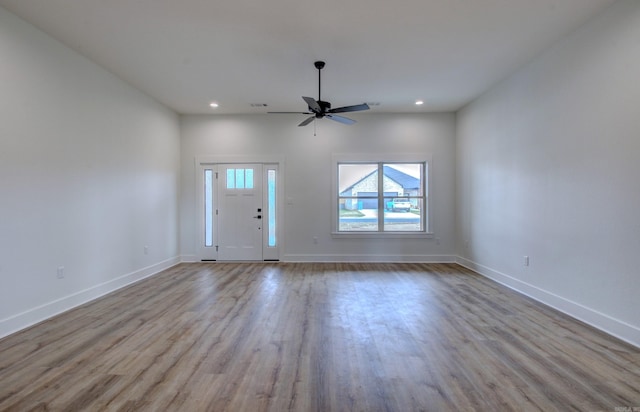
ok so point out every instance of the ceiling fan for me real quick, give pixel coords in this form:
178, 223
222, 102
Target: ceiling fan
319, 108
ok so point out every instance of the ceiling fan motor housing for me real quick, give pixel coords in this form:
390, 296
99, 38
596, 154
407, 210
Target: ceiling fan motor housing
324, 106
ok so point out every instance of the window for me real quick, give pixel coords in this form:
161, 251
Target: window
271, 208
381, 197
208, 207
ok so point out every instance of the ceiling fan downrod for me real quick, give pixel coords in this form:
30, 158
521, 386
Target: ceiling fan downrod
319, 65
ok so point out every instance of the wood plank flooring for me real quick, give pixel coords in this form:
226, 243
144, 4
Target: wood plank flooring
316, 337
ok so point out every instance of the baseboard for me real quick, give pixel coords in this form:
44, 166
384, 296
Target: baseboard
189, 258
615, 327
363, 258
330, 258
40, 313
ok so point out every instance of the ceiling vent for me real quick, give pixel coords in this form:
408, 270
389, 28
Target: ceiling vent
258, 104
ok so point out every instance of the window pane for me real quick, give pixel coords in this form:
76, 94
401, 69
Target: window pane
355, 179
249, 179
357, 220
402, 215
208, 208
231, 174
239, 178
405, 179
271, 202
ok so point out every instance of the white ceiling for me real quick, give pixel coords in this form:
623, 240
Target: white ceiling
186, 53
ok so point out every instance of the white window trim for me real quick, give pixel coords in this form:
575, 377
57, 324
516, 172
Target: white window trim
337, 158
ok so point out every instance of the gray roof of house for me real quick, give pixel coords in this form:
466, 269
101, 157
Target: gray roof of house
403, 179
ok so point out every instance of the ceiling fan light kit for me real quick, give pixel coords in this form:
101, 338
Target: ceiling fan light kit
320, 108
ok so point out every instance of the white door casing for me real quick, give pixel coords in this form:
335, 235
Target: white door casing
238, 211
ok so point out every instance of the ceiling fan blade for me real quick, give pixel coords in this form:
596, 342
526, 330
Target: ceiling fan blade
289, 112
341, 119
307, 121
354, 108
313, 105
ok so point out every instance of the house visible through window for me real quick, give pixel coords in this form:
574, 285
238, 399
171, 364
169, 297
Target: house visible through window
382, 197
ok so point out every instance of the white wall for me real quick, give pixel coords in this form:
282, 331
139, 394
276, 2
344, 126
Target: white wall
89, 175
548, 164
308, 176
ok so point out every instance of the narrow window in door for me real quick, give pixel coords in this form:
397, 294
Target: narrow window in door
208, 208
248, 179
271, 207
231, 178
239, 178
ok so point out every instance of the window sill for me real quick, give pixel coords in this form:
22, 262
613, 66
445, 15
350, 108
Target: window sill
382, 235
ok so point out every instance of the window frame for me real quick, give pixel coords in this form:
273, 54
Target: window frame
427, 210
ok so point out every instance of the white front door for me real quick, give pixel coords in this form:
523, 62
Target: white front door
240, 212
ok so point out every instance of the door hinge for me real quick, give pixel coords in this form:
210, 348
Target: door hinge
216, 212
216, 248
216, 175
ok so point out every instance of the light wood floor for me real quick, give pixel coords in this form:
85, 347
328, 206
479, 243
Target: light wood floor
316, 337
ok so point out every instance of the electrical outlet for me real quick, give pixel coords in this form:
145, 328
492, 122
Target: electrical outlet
146, 250
315, 240
60, 272
525, 260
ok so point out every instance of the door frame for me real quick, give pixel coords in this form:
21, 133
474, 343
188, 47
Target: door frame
203, 162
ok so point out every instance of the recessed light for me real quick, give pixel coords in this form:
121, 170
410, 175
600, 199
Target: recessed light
214, 104
419, 102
